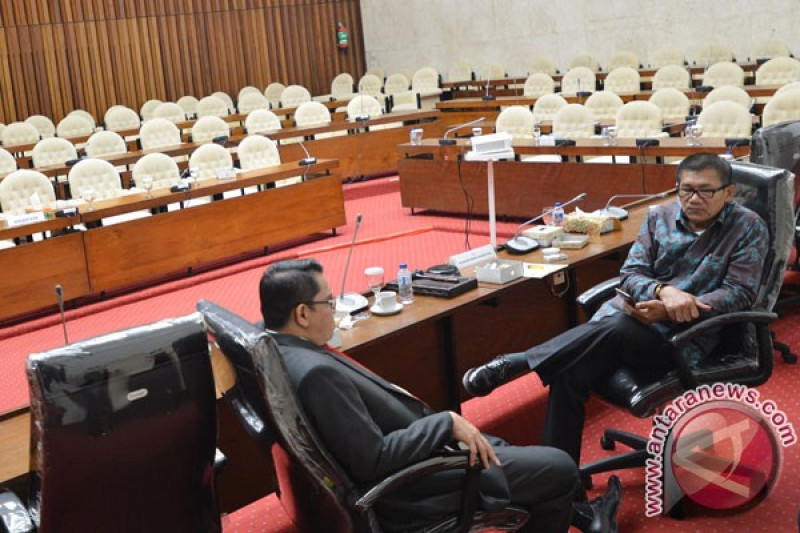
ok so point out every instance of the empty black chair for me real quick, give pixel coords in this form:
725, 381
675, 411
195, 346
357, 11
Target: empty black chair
745, 355
316, 493
123, 432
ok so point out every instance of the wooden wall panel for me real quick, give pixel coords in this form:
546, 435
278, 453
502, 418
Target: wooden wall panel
56, 56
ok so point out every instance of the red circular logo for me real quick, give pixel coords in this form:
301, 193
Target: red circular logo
724, 456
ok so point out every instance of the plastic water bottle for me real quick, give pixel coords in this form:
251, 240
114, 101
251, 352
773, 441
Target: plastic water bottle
404, 288
558, 215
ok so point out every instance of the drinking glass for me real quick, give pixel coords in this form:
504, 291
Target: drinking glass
606, 136
374, 279
537, 134
88, 196
147, 183
697, 131
547, 215
612, 135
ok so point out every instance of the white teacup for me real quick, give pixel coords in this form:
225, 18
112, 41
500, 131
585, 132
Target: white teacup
387, 301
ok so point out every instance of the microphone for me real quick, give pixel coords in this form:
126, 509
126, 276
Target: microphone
522, 244
60, 298
488, 96
622, 214
351, 301
444, 141
308, 160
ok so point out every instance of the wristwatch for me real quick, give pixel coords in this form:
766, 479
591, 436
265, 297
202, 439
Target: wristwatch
657, 291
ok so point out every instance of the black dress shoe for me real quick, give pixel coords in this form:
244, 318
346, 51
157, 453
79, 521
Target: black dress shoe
482, 380
600, 514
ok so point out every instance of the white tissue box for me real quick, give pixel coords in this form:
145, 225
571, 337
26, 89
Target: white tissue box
544, 235
571, 241
499, 271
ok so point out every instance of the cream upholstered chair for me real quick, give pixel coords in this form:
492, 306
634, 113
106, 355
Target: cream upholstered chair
460, 71
405, 101
731, 94
209, 159
225, 97
778, 71
623, 80
538, 84
148, 108
212, 106
671, 76
782, 107
425, 81
53, 151
546, 107
363, 105
251, 101
312, 114
43, 124
342, 87
639, 119
2, 127
245, 90
189, 105
159, 133
377, 71
578, 79
8, 163
516, 120
84, 114
104, 143
788, 87
273, 93
294, 95
372, 85
711, 53
769, 49
18, 133
396, 83
170, 111
261, 121
724, 73
674, 104
121, 118
623, 58
668, 56
74, 126
161, 168
209, 128
544, 65
585, 60
573, 121
18, 187
725, 119
604, 105
257, 151
96, 174
492, 71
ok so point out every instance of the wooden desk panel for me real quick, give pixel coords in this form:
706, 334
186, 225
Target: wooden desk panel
33, 270
143, 249
523, 189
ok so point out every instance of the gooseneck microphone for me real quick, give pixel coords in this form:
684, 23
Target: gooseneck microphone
486, 95
60, 298
350, 301
622, 214
308, 160
444, 141
522, 244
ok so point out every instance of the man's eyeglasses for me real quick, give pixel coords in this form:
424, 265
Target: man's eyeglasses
330, 301
686, 193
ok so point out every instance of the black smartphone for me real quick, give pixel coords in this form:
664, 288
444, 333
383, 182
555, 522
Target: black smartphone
625, 296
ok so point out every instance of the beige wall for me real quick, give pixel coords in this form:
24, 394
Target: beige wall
408, 34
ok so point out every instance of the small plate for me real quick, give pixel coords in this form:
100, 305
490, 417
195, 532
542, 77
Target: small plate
380, 312
351, 302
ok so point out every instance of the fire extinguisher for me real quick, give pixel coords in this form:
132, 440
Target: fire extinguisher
342, 39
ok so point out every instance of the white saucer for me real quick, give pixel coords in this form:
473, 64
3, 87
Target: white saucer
380, 312
350, 302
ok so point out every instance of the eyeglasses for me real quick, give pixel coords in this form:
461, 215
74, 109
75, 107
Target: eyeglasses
686, 193
330, 301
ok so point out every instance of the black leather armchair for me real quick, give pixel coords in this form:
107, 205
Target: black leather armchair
745, 356
316, 493
123, 434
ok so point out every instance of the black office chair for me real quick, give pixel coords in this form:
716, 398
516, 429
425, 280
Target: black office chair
123, 434
745, 355
313, 489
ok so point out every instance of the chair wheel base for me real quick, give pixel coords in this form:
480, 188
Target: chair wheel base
607, 443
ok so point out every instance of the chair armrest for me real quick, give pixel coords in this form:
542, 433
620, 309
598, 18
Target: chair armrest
14, 517
591, 299
446, 461
220, 460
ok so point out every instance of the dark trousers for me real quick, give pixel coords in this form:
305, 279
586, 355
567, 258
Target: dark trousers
573, 361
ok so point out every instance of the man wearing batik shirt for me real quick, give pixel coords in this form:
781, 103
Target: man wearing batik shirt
693, 258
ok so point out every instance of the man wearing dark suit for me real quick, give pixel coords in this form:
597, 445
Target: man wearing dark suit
373, 428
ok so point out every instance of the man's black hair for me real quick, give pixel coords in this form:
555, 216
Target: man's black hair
705, 161
284, 286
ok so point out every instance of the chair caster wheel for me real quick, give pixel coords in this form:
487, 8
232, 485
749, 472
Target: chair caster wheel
607, 444
586, 481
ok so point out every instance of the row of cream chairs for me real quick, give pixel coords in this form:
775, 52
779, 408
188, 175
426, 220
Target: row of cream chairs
17, 189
